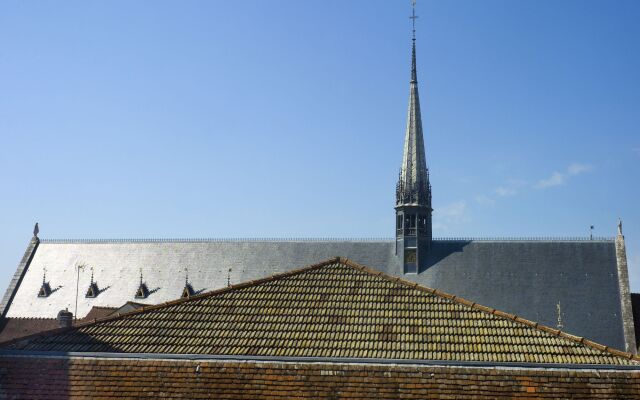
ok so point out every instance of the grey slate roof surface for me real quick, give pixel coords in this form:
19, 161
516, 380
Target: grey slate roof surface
526, 278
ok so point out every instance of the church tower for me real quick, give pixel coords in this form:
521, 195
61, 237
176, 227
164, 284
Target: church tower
413, 191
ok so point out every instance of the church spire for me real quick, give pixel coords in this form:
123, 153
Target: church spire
413, 191
413, 184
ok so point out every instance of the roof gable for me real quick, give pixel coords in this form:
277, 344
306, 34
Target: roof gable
335, 309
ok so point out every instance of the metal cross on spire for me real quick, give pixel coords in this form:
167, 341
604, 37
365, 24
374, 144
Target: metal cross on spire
413, 18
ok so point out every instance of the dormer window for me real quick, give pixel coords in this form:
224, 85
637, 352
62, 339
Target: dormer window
188, 290
45, 289
93, 290
143, 291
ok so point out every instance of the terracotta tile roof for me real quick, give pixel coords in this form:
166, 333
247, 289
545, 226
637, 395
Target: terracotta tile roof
335, 309
54, 378
97, 313
12, 328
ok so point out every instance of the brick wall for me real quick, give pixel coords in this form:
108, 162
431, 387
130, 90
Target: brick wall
62, 378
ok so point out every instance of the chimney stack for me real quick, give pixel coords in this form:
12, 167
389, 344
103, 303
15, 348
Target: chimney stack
65, 318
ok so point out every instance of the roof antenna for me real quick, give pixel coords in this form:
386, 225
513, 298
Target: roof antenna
78, 268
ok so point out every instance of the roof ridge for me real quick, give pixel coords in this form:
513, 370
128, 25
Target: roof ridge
326, 239
215, 240
493, 311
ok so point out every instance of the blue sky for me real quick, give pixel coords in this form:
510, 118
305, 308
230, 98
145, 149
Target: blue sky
286, 118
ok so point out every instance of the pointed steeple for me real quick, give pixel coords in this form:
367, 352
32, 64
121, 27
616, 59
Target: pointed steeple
413, 191
413, 184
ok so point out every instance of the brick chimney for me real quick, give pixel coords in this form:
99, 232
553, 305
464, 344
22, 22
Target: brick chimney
65, 318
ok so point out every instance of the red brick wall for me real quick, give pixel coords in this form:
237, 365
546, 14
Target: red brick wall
61, 378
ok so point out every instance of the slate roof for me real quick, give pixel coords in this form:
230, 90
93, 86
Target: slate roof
335, 309
523, 277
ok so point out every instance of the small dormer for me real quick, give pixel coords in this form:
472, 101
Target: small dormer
45, 289
143, 291
93, 290
187, 291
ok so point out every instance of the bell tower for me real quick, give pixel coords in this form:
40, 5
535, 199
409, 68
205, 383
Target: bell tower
413, 191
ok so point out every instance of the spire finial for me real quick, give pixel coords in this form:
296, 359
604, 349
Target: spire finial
36, 230
186, 275
619, 226
44, 275
140, 276
413, 17
91, 275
